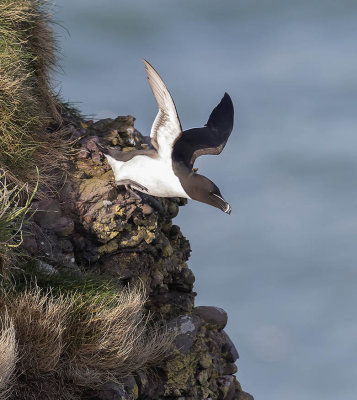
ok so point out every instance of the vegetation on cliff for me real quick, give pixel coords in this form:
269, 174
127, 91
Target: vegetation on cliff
14, 212
60, 343
8, 356
30, 123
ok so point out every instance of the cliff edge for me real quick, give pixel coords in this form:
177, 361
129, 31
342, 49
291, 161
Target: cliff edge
95, 226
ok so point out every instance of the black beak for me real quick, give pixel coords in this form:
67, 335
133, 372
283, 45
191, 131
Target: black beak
221, 203
228, 209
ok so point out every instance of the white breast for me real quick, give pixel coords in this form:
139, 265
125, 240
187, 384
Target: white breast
155, 174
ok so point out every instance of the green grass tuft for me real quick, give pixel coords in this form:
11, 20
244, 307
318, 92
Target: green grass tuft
64, 282
30, 146
14, 212
27, 104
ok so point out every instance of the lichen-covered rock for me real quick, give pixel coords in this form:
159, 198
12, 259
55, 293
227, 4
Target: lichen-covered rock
202, 367
96, 226
212, 315
187, 327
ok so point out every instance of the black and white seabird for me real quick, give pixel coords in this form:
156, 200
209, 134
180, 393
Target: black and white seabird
166, 170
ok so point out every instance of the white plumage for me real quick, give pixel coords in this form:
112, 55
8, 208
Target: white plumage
155, 174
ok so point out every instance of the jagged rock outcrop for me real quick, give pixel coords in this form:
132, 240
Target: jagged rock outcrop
96, 226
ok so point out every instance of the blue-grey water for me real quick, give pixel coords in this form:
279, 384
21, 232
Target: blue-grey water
283, 264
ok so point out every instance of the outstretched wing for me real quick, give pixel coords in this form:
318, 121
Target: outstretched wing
166, 128
209, 139
124, 156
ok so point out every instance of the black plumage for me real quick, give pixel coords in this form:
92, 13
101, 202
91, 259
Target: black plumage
210, 139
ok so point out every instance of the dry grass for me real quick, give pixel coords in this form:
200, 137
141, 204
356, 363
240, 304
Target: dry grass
27, 104
79, 340
120, 341
8, 356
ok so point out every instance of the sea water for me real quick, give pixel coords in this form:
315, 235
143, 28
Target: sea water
283, 264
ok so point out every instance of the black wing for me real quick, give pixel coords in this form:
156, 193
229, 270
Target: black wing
209, 139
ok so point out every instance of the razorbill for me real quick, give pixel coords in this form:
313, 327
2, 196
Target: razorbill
166, 169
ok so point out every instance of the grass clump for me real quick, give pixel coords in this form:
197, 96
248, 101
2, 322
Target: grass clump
27, 104
63, 282
14, 212
8, 356
30, 146
78, 340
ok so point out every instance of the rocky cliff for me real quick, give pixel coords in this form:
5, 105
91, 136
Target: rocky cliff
95, 226
60, 343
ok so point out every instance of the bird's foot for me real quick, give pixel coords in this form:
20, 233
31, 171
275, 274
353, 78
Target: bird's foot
140, 187
154, 203
132, 195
